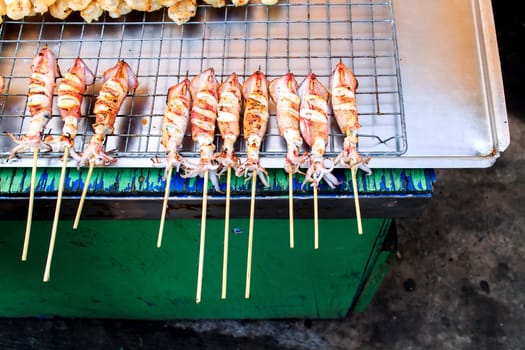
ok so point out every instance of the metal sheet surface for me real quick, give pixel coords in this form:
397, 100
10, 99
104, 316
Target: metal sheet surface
430, 95
452, 85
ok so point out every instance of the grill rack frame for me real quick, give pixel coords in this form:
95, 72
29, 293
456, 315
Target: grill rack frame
281, 38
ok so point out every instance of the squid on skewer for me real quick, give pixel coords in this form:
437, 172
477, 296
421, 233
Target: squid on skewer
118, 82
313, 122
228, 120
203, 117
256, 114
71, 91
255, 122
174, 125
343, 88
283, 91
44, 72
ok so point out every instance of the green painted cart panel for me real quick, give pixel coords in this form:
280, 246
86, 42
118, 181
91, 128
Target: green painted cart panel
112, 268
149, 182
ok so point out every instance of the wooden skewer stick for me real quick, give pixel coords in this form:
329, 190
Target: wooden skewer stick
356, 195
203, 237
164, 206
290, 208
226, 232
316, 219
356, 200
47, 271
31, 203
84, 193
250, 238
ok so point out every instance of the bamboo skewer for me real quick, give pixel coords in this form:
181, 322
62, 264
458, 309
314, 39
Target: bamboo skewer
203, 237
290, 208
31, 203
84, 193
164, 207
47, 271
250, 239
316, 219
356, 200
226, 232
356, 195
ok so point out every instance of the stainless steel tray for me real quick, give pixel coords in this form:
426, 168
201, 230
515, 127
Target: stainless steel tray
453, 94
295, 36
431, 92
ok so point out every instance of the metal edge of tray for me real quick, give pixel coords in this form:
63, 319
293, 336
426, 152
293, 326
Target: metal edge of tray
492, 90
494, 79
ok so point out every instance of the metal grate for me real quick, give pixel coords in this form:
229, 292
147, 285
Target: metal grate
297, 36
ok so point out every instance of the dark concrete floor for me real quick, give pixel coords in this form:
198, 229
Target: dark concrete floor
465, 256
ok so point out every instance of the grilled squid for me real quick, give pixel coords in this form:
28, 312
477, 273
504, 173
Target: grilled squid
343, 88
202, 118
44, 71
175, 122
255, 92
313, 122
118, 82
70, 92
283, 91
228, 119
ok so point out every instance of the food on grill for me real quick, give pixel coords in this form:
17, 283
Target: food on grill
216, 3
18, 9
2, 84
118, 82
256, 114
202, 119
70, 92
175, 122
60, 9
179, 11
343, 88
182, 10
228, 119
344, 104
313, 122
240, 2
284, 93
174, 125
44, 71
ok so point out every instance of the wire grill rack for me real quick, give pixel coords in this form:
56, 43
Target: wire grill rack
296, 35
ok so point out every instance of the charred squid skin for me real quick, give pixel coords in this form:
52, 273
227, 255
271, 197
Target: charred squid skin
344, 104
314, 128
228, 121
203, 117
174, 124
284, 93
44, 72
119, 81
256, 114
